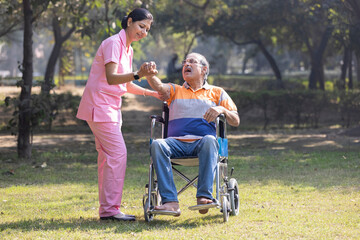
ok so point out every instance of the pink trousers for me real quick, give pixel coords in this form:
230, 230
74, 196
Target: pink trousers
112, 158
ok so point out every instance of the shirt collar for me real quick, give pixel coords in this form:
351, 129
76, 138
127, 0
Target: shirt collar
122, 36
206, 86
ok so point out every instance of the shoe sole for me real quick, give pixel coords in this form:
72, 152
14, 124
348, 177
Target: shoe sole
117, 219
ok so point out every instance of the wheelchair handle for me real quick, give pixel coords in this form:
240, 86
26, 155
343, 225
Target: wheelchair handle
158, 118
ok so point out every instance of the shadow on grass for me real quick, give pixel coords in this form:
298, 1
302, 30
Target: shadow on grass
321, 169
292, 159
117, 227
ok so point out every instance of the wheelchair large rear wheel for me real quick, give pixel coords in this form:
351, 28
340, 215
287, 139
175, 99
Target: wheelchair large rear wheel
225, 208
234, 196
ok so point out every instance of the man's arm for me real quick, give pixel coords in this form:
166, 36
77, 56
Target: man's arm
156, 84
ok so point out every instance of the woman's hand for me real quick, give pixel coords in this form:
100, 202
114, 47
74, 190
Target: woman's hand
160, 96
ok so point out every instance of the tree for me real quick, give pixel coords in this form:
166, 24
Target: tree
24, 124
89, 18
11, 17
24, 145
352, 8
65, 17
257, 22
310, 27
11, 14
180, 20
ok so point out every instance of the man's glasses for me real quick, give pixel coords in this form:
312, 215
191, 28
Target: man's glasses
190, 61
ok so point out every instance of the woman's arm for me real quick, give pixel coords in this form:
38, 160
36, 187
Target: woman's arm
114, 78
137, 90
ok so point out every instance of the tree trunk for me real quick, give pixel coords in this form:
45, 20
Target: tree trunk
317, 58
50, 69
357, 67
24, 136
316, 73
272, 63
344, 68
54, 56
351, 85
107, 20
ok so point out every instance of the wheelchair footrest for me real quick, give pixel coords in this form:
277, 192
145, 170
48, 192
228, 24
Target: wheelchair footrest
164, 212
203, 206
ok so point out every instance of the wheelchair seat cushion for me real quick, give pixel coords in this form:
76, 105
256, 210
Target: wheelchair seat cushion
186, 161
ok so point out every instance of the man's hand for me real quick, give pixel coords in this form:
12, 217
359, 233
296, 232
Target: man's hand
232, 117
213, 112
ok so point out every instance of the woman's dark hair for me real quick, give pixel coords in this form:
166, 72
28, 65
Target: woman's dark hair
137, 14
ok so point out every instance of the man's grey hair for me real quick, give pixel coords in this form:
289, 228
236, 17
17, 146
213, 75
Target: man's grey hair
203, 62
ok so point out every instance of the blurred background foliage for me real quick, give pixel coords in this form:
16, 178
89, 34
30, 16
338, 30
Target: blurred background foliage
315, 39
283, 62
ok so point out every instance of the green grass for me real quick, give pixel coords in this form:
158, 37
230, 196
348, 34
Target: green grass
284, 195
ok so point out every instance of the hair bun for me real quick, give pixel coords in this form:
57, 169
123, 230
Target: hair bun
124, 22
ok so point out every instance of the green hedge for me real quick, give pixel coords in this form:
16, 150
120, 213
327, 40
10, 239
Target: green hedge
298, 108
44, 109
301, 108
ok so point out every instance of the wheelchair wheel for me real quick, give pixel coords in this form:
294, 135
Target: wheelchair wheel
225, 208
234, 196
148, 216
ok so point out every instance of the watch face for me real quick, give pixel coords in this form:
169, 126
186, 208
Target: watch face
136, 76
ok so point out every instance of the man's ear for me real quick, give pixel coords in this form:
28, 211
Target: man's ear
204, 69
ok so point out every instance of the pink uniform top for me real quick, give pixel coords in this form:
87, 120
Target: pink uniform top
101, 102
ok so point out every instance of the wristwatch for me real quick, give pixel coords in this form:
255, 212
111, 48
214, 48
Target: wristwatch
136, 76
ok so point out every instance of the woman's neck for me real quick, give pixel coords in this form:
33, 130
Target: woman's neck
128, 42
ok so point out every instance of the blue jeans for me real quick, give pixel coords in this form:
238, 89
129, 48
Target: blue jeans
206, 149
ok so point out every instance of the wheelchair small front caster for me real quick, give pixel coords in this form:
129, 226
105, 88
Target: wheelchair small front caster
147, 214
234, 196
225, 208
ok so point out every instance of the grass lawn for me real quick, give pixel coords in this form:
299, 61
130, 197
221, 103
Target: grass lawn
285, 194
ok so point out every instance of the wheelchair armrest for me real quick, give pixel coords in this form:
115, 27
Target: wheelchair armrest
158, 118
221, 126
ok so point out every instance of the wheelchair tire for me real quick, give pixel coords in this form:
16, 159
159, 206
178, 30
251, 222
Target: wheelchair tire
234, 196
225, 208
148, 216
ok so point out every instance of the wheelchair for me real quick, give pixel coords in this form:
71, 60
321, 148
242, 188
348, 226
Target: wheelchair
226, 187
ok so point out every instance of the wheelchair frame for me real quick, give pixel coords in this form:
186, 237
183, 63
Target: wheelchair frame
227, 190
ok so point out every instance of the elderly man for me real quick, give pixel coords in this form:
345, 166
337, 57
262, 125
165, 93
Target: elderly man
191, 131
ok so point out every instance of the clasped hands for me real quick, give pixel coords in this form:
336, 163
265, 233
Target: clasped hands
148, 69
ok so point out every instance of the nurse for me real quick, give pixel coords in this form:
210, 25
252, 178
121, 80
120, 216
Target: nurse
110, 77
